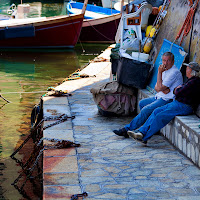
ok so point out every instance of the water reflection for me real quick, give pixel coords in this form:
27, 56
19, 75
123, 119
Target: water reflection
30, 71
25, 72
43, 8
22, 72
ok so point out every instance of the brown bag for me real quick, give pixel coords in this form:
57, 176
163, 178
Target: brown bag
115, 98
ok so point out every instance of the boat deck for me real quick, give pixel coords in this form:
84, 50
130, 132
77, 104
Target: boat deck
20, 21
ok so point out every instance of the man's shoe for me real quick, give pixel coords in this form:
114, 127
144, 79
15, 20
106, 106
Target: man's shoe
121, 132
135, 134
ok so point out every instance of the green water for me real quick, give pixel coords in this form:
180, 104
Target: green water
20, 74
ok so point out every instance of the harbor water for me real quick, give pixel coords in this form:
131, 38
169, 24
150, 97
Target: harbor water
24, 77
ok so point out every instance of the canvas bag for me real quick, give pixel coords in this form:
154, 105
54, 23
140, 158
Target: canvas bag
114, 97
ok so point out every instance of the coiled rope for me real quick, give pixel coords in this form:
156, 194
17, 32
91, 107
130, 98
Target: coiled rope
187, 23
103, 35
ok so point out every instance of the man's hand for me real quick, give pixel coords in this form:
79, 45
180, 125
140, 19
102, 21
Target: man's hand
162, 68
159, 86
166, 91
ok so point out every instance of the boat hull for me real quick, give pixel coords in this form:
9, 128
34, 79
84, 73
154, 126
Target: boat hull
52, 32
102, 30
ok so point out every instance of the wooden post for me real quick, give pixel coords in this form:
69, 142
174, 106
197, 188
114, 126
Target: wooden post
122, 4
84, 7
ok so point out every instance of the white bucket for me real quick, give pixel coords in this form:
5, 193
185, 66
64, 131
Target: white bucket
143, 57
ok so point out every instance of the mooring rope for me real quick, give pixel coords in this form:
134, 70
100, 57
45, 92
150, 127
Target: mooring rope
78, 35
186, 27
5, 99
22, 92
100, 32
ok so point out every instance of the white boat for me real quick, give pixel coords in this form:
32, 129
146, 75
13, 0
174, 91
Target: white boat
41, 32
92, 11
110, 3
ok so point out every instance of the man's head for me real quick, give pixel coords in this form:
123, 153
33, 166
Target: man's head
193, 69
168, 60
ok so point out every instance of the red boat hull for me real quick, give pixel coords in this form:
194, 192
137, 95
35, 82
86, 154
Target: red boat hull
102, 30
53, 32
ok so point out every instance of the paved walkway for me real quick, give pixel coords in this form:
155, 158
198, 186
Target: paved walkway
107, 166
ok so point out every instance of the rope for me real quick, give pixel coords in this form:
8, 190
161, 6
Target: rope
190, 38
77, 33
102, 33
191, 2
187, 23
5, 99
21, 92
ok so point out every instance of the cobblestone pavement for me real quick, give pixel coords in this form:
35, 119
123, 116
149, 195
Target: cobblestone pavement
113, 167
107, 166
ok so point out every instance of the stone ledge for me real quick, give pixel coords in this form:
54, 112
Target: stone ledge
183, 132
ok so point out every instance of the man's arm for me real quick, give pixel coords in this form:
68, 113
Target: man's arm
176, 88
159, 86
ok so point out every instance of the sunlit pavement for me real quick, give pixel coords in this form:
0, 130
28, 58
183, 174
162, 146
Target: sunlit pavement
107, 166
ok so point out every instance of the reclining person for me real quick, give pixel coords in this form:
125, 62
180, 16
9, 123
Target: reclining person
168, 78
187, 99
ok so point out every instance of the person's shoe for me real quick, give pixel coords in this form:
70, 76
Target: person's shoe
135, 134
121, 132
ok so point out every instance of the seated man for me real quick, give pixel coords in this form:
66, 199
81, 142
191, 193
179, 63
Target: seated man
187, 99
168, 78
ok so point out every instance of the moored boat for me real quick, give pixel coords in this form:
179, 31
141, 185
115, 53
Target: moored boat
92, 11
42, 32
110, 3
101, 30
100, 24
4, 17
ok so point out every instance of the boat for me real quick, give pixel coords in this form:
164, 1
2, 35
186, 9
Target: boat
111, 3
97, 27
101, 30
92, 11
42, 32
4, 17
